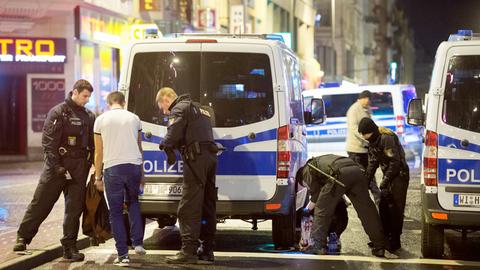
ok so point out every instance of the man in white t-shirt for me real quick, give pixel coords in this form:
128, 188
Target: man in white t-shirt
118, 161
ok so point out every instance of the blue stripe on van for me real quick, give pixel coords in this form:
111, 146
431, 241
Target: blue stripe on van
447, 141
229, 162
459, 171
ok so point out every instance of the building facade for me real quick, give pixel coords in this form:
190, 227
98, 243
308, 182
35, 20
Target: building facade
362, 40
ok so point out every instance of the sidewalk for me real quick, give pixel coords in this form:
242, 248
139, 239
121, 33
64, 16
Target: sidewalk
18, 181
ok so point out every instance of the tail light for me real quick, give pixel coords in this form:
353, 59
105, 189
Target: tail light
430, 155
283, 152
400, 123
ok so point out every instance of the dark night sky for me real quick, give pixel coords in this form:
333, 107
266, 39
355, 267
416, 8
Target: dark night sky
434, 20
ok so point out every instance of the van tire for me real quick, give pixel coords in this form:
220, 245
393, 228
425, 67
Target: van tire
432, 240
284, 230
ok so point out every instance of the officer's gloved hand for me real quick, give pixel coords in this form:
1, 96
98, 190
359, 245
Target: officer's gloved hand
171, 158
60, 171
385, 188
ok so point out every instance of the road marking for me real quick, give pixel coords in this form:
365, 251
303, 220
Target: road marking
307, 257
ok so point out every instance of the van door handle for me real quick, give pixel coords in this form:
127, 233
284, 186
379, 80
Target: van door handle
148, 135
464, 143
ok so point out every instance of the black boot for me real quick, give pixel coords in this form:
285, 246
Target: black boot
182, 258
205, 255
20, 245
71, 254
378, 252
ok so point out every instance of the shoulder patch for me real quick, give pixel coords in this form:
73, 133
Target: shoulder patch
205, 112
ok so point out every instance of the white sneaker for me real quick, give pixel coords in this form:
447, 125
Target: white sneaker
123, 261
140, 250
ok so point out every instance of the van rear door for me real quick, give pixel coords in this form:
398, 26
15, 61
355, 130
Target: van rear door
238, 82
458, 131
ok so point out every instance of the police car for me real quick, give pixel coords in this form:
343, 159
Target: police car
450, 182
389, 108
253, 84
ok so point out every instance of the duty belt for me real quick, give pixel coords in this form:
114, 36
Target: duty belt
73, 153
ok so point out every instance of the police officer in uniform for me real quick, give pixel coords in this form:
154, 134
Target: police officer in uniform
386, 151
67, 142
190, 131
328, 178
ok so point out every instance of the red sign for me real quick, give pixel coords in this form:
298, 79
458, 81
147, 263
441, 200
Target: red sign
46, 93
38, 50
206, 18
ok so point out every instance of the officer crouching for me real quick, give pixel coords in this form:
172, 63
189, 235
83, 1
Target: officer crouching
190, 132
328, 178
67, 142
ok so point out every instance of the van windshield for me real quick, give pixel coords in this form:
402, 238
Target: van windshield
462, 93
338, 105
238, 86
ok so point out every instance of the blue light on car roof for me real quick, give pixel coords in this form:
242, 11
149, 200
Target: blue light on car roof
463, 32
274, 37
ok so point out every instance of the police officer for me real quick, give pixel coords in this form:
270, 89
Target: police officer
328, 178
386, 151
190, 131
67, 142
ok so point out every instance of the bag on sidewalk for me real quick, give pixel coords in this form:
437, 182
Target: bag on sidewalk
96, 223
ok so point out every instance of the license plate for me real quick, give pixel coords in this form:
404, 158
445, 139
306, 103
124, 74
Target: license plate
466, 200
162, 190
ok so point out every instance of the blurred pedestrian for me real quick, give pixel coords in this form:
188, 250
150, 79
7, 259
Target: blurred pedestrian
357, 146
118, 161
386, 151
67, 142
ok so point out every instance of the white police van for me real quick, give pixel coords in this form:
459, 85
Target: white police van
389, 108
450, 181
253, 84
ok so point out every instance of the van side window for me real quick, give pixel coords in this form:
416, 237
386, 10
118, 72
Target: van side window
294, 88
238, 86
461, 106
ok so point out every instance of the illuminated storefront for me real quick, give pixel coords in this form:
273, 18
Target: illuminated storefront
27, 87
100, 41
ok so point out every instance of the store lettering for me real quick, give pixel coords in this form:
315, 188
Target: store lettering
29, 50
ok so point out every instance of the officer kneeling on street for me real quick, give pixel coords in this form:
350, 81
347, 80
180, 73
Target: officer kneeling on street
328, 178
190, 131
67, 142
386, 151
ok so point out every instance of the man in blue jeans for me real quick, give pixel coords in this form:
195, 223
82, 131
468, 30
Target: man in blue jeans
118, 154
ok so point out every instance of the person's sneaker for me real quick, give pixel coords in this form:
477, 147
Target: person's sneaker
206, 257
123, 261
20, 245
393, 246
182, 258
378, 252
140, 250
71, 254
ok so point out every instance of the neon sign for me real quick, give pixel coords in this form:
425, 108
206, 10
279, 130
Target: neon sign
44, 50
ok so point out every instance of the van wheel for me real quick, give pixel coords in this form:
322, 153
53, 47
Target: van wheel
432, 240
283, 230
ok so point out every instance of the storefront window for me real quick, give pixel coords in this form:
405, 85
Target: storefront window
87, 56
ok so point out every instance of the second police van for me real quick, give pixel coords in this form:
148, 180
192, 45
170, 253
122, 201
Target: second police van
389, 109
253, 84
450, 180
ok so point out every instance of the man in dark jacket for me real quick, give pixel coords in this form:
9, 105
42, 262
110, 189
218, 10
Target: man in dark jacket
326, 193
190, 131
67, 142
386, 151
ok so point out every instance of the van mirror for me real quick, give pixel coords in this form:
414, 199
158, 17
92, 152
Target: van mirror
415, 116
317, 111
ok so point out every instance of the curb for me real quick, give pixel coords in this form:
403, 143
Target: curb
41, 256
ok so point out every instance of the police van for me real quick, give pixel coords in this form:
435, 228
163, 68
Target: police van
389, 108
253, 85
450, 181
